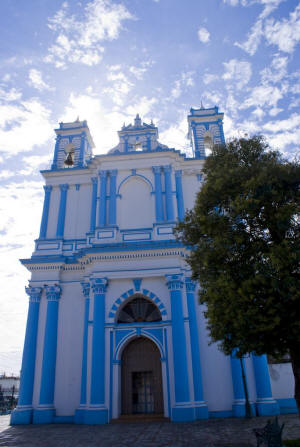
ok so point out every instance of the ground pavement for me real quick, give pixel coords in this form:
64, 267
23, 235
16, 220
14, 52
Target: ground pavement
210, 433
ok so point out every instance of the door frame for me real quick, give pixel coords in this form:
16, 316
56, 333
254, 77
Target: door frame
116, 369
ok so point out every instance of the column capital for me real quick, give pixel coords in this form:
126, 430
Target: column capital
156, 169
86, 289
167, 168
47, 188
64, 187
53, 292
113, 172
34, 293
94, 180
175, 282
178, 173
190, 285
102, 173
99, 285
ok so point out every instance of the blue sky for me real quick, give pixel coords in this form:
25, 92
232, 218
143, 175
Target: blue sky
105, 61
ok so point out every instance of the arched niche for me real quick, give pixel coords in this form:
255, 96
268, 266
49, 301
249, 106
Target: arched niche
136, 208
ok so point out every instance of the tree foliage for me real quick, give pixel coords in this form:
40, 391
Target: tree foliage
244, 234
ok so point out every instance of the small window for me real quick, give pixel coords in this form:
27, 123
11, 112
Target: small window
139, 310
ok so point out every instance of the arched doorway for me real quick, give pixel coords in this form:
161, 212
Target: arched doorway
141, 378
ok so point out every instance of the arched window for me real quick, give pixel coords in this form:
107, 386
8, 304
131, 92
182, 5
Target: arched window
139, 310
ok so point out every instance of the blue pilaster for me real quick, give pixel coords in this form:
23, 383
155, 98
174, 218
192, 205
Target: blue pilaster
179, 195
81, 150
56, 149
80, 412
238, 406
265, 404
102, 204
62, 210
97, 412
182, 411
158, 194
23, 413
168, 192
222, 137
45, 412
44, 222
112, 218
94, 204
201, 409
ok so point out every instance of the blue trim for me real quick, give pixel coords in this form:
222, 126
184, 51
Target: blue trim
158, 194
144, 236
179, 195
167, 369
182, 393
49, 354
98, 346
102, 204
56, 149
51, 246
29, 354
112, 218
194, 336
94, 204
116, 247
263, 387
169, 195
287, 406
84, 353
111, 375
164, 232
110, 234
44, 222
62, 210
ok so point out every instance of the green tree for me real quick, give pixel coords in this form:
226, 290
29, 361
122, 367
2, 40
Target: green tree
244, 235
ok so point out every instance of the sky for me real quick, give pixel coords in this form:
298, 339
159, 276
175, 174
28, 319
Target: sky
105, 61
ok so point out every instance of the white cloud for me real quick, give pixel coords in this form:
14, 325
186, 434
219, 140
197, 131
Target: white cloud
238, 72
277, 70
20, 214
263, 95
176, 136
10, 95
284, 33
186, 80
23, 126
78, 38
208, 78
257, 30
121, 85
36, 80
142, 106
203, 35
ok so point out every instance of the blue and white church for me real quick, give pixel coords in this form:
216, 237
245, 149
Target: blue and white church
114, 326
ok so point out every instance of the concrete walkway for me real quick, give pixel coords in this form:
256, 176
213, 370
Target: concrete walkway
211, 433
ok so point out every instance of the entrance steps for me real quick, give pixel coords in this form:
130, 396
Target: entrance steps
139, 418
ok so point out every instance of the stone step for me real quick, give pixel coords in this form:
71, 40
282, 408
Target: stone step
139, 418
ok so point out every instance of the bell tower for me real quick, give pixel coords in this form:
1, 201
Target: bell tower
74, 144
205, 129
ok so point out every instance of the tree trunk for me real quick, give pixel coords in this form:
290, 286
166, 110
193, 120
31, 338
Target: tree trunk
295, 359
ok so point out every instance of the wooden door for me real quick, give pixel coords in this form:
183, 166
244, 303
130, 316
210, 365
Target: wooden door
141, 378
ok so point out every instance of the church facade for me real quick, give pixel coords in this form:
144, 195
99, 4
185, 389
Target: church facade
114, 326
